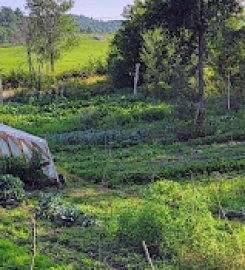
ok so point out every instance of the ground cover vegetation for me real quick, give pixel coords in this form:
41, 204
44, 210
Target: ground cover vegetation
110, 147
150, 180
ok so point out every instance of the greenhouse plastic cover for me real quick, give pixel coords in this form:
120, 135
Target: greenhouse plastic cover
16, 143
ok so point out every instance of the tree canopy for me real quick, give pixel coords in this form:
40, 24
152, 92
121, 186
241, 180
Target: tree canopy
194, 23
10, 21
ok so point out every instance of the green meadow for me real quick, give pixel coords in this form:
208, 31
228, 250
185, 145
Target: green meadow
88, 49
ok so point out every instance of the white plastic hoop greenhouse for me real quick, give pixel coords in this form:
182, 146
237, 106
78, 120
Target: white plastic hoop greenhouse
16, 143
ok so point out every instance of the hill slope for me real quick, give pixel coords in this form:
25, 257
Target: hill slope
90, 25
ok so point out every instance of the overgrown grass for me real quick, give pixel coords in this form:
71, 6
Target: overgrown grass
96, 247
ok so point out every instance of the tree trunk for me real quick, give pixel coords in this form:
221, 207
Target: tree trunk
1, 91
52, 61
136, 79
29, 59
199, 117
229, 91
39, 81
40, 74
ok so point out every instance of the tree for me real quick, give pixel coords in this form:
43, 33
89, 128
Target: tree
9, 24
230, 59
49, 31
198, 17
126, 47
159, 55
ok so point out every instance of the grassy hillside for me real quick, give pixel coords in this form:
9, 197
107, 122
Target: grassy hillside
14, 58
135, 173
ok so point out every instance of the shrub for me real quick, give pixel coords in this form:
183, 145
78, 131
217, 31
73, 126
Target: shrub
11, 190
179, 226
30, 172
20, 78
96, 67
53, 208
90, 118
148, 222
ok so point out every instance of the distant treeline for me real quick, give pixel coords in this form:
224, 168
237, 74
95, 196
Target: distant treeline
90, 25
11, 23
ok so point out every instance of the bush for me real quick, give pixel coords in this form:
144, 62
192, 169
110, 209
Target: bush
96, 67
178, 226
20, 78
90, 118
11, 190
148, 222
53, 208
30, 172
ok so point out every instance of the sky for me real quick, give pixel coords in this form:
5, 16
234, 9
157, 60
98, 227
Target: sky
99, 9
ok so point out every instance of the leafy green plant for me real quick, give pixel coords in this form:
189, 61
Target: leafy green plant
177, 224
148, 222
11, 190
30, 172
53, 208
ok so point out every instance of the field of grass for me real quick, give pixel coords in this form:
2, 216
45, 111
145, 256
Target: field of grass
88, 49
135, 173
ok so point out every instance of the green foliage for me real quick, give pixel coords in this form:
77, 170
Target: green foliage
161, 61
125, 51
229, 60
11, 190
143, 223
9, 25
12, 255
53, 208
179, 226
169, 59
30, 172
118, 140
18, 79
50, 32
90, 25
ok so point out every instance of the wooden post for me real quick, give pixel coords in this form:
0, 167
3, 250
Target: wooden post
148, 255
62, 90
136, 78
229, 91
34, 243
1, 91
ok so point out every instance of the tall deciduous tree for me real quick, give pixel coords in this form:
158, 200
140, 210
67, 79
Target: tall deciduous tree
230, 59
49, 31
199, 16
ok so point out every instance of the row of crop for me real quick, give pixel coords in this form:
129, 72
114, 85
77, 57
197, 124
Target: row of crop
114, 138
188, 170
126, 168
80, 117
